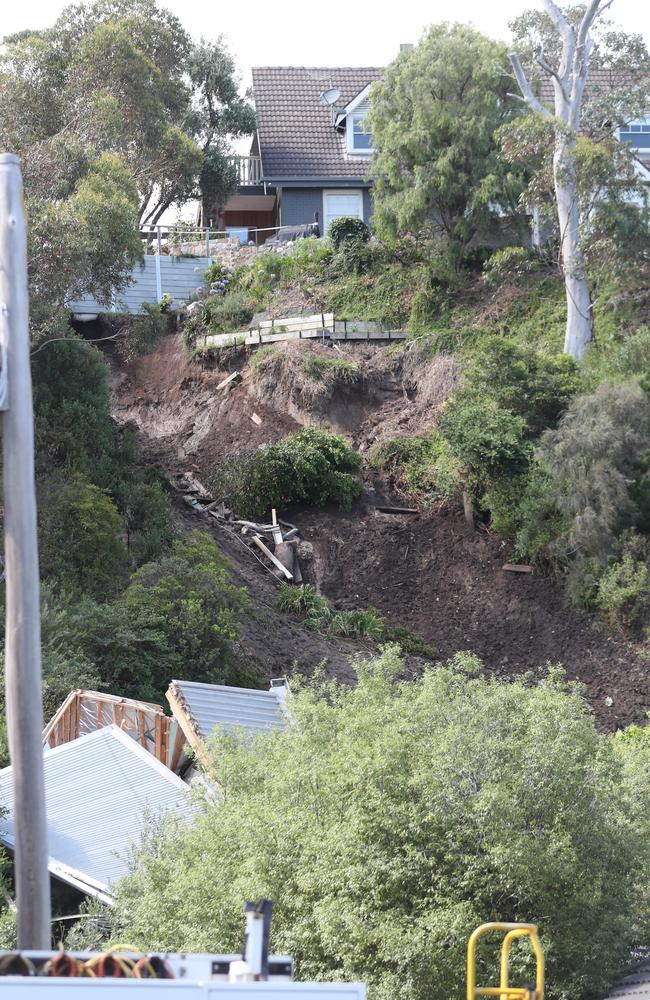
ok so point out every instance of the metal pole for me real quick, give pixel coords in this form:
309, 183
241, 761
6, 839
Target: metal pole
23, 631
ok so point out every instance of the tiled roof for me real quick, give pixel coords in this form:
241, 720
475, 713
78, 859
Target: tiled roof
598, 80
297, 137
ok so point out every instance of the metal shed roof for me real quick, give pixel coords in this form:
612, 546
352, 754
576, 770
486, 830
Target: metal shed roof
211, 705
636, 986
97, 789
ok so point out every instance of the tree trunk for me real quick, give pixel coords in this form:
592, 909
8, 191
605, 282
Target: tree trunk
579, 327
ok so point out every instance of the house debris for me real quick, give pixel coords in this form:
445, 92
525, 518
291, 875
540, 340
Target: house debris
202, 708
100, 791
274, 545
85, 712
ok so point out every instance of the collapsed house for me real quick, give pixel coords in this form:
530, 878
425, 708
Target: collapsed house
113, 764
100, 791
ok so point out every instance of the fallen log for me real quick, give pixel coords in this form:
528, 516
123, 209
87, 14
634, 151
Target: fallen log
518, 568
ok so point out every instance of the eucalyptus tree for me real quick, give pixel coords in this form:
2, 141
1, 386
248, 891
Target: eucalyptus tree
561, 45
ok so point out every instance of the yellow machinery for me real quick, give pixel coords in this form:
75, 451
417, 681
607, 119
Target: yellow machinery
504, 990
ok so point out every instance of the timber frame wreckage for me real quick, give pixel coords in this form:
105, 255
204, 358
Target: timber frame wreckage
111, 764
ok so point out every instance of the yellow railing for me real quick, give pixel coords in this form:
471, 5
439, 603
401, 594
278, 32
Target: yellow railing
504, 990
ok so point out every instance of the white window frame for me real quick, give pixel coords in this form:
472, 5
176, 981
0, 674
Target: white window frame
341, 191
627, 128
348, 114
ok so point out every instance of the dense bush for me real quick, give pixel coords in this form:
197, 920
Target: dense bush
311, 467
179, 614
347, 229
407, 814
512, 264
592, 458
624, 592
228, 314
420, 465
80, 537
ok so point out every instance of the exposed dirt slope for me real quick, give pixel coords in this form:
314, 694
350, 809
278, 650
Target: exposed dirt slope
431, 575
426, 573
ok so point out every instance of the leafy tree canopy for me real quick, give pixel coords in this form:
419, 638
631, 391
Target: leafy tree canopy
433, 120
393, 818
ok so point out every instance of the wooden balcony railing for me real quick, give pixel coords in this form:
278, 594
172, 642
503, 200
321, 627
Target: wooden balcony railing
249, 170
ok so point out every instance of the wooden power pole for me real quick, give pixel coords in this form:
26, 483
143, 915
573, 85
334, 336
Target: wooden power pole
23, 630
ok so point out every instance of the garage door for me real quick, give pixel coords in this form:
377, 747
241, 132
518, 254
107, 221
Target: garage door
338, 203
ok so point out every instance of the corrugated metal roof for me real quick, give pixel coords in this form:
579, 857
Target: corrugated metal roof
97, 789
213, 705
636, 985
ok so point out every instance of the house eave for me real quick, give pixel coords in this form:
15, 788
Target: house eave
319, 181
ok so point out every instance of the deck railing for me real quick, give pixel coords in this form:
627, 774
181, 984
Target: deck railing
249, 169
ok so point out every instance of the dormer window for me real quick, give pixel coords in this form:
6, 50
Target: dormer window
354, 119
359, 134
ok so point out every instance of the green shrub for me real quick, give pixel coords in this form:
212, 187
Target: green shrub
141, 333
484, 438
624, 591
591, 459
347, 228
80, 539
311, 467
529, 383
408, 814
226, 315
419, 465
512, 264
353, 256
318, 367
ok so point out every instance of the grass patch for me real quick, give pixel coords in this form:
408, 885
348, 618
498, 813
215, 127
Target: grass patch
320, 368
318, 614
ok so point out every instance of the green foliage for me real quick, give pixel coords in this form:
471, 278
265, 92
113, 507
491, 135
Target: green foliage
225, 315
591, 459
141, 333
407, 814
485, 438
261, 355
433, 118
624, 591
351, 257
311, 467
512, 264
339, 370
179, 614
347, 229
79, 538
318, 614
420, 465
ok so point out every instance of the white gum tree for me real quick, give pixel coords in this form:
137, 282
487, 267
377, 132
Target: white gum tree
569, 78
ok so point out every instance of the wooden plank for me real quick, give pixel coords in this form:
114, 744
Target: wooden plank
256, 419
269, 555
187, 726
142, 726
158, 739
179, 743
518, 568
398, 510
228, 381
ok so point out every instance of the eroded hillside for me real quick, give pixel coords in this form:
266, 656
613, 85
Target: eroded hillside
427, 571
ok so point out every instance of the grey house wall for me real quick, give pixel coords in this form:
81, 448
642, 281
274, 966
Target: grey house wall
299, 205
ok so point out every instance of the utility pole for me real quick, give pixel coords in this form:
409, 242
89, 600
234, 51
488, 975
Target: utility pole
23, 627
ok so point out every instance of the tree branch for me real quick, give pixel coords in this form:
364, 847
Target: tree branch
541, 61
526, 88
